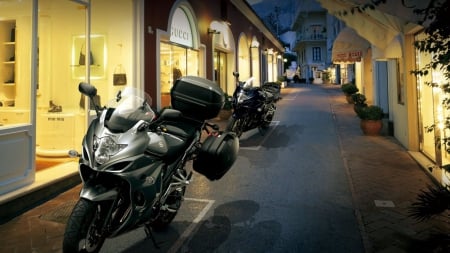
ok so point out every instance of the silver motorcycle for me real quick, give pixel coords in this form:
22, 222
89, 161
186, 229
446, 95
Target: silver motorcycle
133, 162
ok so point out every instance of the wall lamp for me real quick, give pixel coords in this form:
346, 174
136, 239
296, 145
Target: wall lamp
213, 31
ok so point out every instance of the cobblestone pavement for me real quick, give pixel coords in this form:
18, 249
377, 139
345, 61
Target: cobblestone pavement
385, 180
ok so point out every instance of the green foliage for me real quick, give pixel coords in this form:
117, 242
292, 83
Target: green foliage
349, 88
359, 99
281, 79
289, 59
371, 112
326, 75
430, 202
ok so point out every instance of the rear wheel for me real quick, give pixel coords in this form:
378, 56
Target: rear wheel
83, 231
170, 210
266, 124
268, 117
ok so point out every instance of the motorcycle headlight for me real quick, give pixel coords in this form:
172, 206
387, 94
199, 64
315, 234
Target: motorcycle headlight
106, 147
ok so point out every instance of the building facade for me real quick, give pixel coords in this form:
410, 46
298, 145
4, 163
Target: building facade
208, 40
311, 44
47, 47
384, 73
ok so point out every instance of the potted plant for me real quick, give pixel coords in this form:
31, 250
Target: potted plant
225, 112
326, 77
359, 101
371, 119
282, 80
349, 89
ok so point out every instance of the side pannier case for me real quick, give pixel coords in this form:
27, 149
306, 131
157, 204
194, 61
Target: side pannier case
197, 97
217, 155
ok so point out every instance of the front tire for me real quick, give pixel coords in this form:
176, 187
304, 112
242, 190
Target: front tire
83, 231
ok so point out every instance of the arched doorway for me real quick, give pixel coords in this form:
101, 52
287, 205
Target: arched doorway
179, 54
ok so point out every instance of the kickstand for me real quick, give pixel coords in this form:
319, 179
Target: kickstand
148, 231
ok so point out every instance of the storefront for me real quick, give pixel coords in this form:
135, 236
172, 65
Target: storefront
17, 93
209, 42
179, 54
47, 48
431, 112
411, 104
223, 54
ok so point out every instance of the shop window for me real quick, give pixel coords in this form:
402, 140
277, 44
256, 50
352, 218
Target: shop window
175, 62
15, 58
96, 56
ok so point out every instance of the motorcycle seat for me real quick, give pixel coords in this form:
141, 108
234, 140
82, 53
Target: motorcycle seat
178, 135
184, 130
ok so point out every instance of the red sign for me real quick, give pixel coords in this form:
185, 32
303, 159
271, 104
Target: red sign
350, 56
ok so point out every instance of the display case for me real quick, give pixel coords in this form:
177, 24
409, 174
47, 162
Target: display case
96, 55
7, 63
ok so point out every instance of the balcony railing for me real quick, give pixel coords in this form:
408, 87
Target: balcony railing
311, 37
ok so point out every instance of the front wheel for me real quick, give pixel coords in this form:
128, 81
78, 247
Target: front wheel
234, 125
83, 231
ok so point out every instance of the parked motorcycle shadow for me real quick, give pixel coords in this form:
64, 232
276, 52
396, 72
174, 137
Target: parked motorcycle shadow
284, 136
233, 228
276, 136
164, 240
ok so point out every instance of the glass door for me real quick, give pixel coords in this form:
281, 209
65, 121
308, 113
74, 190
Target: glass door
220, 69
175, 62
427, 108
433, 117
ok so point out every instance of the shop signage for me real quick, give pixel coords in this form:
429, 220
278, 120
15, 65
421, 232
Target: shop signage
180, 30
350, 56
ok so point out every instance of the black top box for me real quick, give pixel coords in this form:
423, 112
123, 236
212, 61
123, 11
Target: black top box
197, 97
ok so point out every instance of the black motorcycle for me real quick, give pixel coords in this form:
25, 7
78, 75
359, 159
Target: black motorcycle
133, 162
253, 107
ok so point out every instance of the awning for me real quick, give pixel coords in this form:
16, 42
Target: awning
375, 26
349, 46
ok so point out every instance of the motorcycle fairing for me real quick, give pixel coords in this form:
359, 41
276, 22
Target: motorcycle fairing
136, 143
94, 192
142, 179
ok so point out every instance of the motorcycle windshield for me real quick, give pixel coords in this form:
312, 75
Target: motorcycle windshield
248, 84
129, 106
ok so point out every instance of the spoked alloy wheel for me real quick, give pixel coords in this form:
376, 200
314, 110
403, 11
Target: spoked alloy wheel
234, 125
267, 120
83, 231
